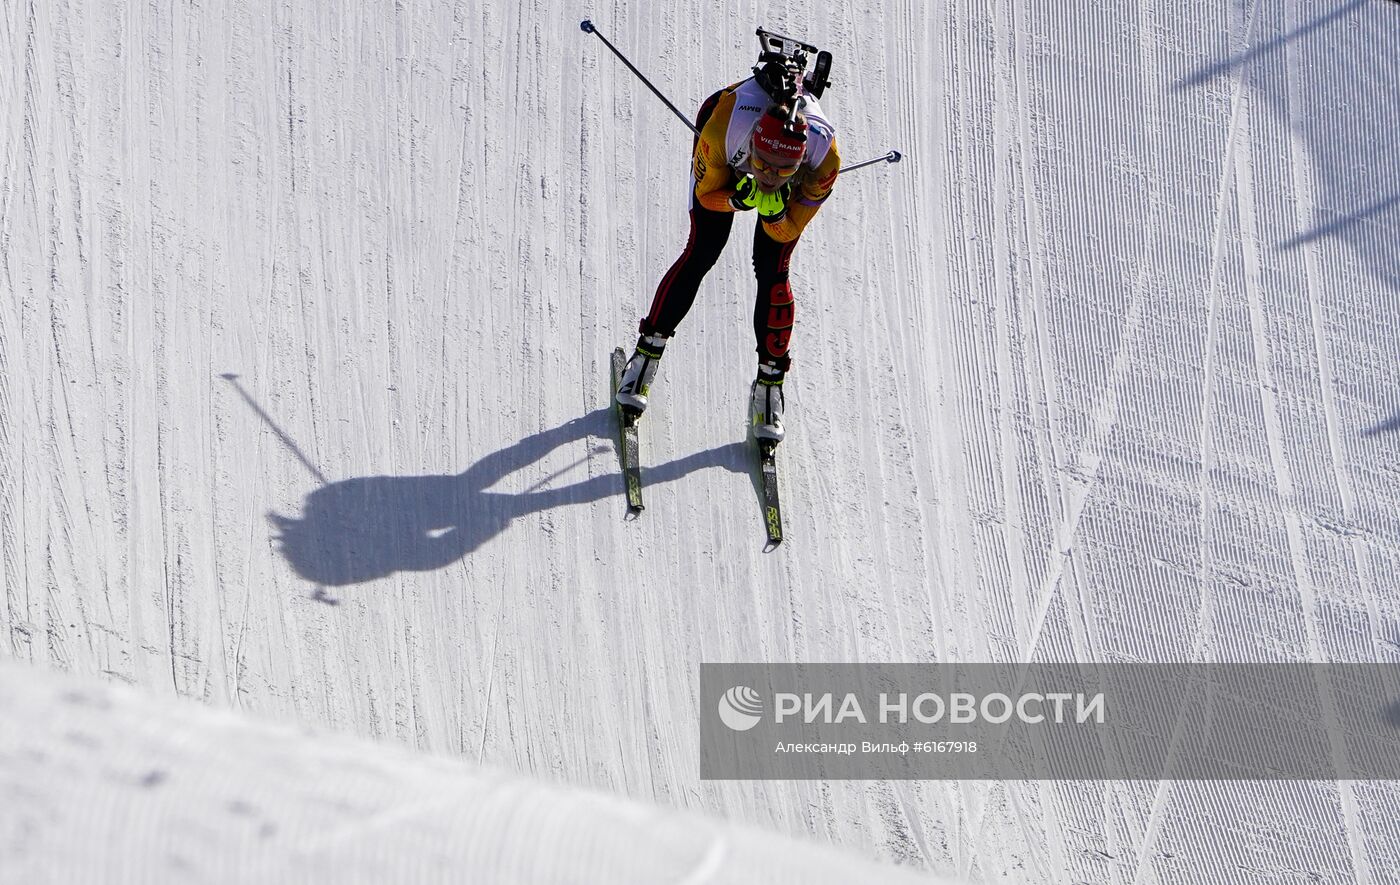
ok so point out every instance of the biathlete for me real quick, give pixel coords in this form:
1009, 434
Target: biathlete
764, 149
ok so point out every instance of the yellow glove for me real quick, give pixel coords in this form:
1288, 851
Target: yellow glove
770, 206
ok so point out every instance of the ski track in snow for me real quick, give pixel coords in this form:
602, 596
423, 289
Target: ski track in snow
303, 358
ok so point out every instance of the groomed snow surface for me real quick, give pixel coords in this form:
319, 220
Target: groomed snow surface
303, 415
106, 784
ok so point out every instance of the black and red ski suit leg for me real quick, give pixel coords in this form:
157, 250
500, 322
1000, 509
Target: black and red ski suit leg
709, 231
773, 308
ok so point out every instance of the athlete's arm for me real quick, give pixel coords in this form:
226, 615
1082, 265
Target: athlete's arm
807, 197
714, 182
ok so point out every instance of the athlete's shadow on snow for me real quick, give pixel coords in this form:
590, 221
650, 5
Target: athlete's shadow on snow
361, 529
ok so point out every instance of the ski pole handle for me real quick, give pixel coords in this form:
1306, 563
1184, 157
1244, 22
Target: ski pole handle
891, 157
588, 28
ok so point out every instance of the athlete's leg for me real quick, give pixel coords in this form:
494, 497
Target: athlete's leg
709, 231
773, 308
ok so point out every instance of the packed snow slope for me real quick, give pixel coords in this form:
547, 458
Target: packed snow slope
107, 784
303, 410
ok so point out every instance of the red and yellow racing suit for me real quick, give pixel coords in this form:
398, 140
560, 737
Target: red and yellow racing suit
715, 178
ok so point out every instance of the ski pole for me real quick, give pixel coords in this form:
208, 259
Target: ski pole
281, 434
891, 157
588, 28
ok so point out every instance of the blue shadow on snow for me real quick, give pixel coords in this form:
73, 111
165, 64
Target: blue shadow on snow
360, 529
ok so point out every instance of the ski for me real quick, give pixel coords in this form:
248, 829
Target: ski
772, 506
631, 450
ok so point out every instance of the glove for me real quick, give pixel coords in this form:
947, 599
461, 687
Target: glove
771, 207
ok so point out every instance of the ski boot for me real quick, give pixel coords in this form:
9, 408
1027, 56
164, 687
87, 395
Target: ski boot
766, 405
640, 372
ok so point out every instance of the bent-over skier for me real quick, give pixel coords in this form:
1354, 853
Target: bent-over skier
755, 151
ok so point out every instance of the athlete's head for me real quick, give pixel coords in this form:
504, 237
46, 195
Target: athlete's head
778, 146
